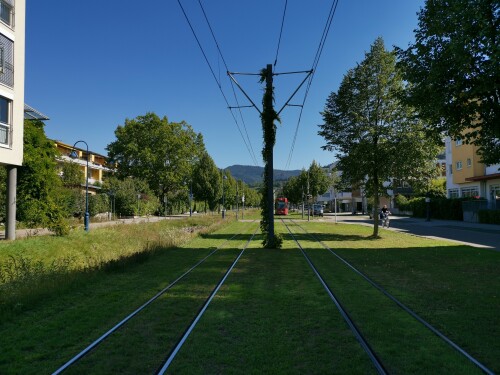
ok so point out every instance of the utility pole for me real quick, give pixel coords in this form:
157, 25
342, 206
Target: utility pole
237, 203
308, 200
268, 117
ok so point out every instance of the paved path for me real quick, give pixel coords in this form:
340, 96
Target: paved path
473, 234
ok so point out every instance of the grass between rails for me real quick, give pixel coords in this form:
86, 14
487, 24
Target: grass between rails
58, 327
36, 268
271, 315
142, 345
455, 288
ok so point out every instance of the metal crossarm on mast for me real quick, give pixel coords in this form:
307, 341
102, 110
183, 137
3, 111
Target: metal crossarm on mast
243, 91
309, 72
268, 115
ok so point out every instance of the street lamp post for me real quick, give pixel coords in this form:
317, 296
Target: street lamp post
308, 201
190, 198
334, 193
303, 204
164, 188
111, 194
243, 201
162, 197
74, 155
237, 198
428, 206
224, 177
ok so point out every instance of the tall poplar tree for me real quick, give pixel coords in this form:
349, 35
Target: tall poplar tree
377, 137
207, 181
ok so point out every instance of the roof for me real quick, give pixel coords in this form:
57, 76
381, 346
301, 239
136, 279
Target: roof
65, 145
32, 114
483, 178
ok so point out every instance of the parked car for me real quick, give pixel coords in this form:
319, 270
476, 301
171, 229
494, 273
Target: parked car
317, 209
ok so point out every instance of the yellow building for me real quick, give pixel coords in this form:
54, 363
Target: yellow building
466, 176
97, 164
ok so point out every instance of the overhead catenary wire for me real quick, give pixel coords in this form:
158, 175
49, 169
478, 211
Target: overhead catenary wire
252, 155
232, 86
281, 33
315, 63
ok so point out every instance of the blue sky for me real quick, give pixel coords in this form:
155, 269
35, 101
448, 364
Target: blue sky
92, 64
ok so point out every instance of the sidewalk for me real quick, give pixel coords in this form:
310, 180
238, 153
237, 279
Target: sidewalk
473, 234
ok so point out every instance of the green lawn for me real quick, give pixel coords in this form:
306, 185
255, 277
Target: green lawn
271, 315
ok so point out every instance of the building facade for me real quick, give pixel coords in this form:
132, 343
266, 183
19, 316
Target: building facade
12, 56
97, 164
466, 176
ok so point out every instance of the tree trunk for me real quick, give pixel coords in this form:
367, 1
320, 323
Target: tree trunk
376, 202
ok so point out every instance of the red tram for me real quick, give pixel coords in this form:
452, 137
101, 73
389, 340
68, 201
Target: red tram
281, 206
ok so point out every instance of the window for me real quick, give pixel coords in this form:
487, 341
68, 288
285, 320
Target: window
6, 12
453, 193
458, 142
469, 163
459, 165
450, 168
5, 109
470, 192
6, 61
495, 191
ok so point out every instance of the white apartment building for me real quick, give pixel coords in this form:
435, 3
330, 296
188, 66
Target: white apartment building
12, 42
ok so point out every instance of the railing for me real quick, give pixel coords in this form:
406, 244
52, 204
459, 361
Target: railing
6, 61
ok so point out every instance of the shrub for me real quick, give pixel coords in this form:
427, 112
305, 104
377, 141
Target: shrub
489, 216
440, 208
401, 201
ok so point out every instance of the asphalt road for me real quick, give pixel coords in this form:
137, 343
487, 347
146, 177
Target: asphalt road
474, 234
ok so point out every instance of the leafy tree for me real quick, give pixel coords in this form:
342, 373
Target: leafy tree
376, 135
72, 175
315, 178
38, 184
453, 69
435, 188
293, 190
252, 196
318, 180
156, 151
132, 197
206, 181
98, 203
229, 189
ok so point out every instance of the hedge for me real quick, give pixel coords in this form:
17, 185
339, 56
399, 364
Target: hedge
489, 216
440, 208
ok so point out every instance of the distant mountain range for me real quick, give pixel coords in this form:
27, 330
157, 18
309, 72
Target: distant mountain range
252, 175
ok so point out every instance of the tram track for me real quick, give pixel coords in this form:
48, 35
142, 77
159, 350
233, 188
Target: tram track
401, 305
376, 361
91, 347
190, 328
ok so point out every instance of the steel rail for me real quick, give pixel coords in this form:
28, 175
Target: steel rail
364, 344
198, 316
94, 344
434, 330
